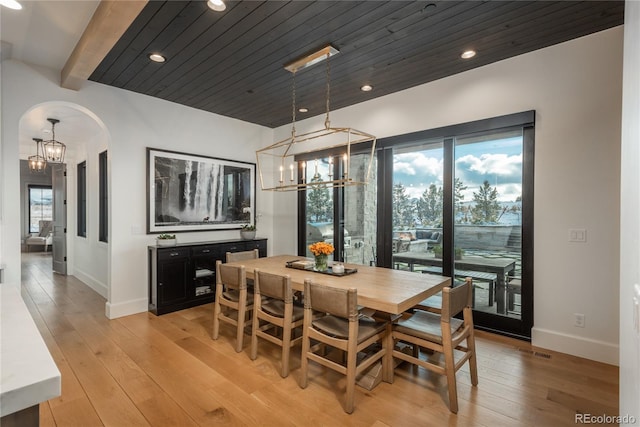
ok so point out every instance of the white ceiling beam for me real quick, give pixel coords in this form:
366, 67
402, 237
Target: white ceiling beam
109, 22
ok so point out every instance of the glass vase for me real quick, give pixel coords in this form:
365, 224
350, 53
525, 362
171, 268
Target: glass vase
321, 262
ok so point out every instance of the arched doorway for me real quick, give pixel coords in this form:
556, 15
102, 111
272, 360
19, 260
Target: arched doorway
85, 136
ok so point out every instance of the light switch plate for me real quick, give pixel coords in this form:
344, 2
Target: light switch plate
636, 308
577, 235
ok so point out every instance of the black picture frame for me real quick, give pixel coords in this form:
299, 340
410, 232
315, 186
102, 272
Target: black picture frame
190, 192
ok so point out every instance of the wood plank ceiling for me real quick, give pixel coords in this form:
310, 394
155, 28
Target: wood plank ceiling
231, 62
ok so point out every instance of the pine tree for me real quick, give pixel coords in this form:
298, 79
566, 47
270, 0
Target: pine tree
458, 197
486, 206
319, 206
429, 206
403, 208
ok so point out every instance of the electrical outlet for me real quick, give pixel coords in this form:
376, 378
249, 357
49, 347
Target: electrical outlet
578, 320
577, 235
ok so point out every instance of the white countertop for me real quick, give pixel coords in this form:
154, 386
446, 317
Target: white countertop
28, 373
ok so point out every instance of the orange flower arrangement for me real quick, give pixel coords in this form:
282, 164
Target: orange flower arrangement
321, 248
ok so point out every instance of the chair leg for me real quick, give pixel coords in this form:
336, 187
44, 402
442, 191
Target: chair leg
254, 335
286, 349
450, 369
216, 312
351, 380
216, 320
387, 360
241, 323
415, 350
473, 365
304, 362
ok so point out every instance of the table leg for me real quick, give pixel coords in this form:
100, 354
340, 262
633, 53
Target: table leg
500, 294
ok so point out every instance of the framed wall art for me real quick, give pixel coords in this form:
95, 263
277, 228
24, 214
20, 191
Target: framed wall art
189, 192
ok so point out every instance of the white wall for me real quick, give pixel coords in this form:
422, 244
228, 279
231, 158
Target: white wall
133, 122
630, 212
575, 89
89, 256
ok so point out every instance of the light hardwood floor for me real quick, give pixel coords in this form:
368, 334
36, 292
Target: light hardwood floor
167, 371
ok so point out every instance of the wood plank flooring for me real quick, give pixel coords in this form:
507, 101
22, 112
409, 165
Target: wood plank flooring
147, 370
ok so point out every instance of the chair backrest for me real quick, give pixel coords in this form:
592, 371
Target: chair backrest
338, 302
241, 256
230, 275
454, 300
45, 227
273, 286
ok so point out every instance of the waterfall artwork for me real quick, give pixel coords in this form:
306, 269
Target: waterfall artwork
189, 192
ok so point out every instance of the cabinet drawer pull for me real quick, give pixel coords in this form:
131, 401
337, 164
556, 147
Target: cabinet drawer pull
174, 254
206, 251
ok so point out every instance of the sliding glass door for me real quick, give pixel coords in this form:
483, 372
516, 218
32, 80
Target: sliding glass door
455, 201
457, 210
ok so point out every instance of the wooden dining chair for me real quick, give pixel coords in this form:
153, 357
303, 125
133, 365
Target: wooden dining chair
275, 317
340, 328
231, 303
442, 333
241, 256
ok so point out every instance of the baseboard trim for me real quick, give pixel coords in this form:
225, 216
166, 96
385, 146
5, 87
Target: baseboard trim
91, 282
591, 349
126, 308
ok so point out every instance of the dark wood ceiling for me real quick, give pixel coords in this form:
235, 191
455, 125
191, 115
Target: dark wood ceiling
231, 62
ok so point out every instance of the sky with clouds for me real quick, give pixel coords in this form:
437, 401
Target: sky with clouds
497, 161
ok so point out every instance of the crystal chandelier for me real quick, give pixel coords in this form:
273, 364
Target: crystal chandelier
285, 165
54, 150
37, 163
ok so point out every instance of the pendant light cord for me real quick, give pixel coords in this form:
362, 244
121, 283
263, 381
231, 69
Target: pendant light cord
327, 123
293, 107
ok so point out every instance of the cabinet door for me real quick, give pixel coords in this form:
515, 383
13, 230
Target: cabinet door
260, 245
173, 281
204, 272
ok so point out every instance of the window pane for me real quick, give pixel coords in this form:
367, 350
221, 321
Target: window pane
40, 206
103, 220
319, 203
418, 201
488, 219
82, 199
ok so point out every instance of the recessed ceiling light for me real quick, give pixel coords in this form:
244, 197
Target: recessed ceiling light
468, 54
217, 5
366, 88
303, 110
156, 57
11, 4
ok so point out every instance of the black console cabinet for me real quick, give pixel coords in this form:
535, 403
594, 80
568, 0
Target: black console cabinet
184, 276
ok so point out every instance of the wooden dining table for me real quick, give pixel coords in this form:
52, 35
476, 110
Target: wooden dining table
385, 291
381, 289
